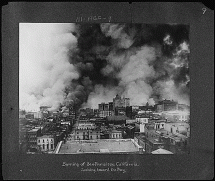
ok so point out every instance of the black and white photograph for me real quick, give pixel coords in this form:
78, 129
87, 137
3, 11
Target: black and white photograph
107, 91
104, 88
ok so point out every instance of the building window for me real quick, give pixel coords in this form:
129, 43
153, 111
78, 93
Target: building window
43, 146
52, 146
43, 141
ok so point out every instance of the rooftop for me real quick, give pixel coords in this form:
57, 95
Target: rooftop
33, 130
116, 131
46, 136
116, 118
161, 151
98, 146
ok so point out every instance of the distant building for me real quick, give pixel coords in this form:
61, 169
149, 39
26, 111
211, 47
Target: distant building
119, 102
66, 113
105, 110
44, 111
142, 120
183, 107
128, 111
22, 114
116, 119
96, 112
174, 116
166, 105
120, 111
110, 106
130, 130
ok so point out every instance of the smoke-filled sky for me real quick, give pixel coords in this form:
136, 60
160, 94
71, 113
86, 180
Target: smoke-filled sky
86, 64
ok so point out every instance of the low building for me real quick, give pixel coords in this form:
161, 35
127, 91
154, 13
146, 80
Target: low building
130, 130
116, 119
115, 134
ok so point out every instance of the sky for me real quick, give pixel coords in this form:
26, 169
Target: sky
86, 64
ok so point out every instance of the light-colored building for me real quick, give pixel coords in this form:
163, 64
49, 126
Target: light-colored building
36, 115
159, 125
115, 134
87, 131
142, 120
46, 143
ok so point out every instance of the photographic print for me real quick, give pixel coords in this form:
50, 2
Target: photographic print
104, 88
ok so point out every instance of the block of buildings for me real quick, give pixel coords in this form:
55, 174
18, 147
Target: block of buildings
86, 131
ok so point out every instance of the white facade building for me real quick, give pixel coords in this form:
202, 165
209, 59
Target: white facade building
46, 143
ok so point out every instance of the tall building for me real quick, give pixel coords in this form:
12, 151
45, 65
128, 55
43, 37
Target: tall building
105, 109
110, 106
128, 111
119, 105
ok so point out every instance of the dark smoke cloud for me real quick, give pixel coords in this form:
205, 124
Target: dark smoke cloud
144, 62
141, 61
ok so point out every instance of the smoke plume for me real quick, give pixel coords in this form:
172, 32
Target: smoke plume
86, 64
